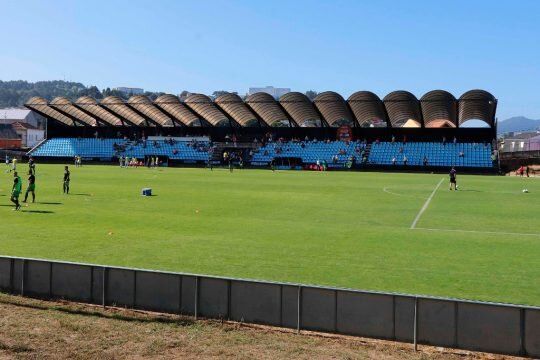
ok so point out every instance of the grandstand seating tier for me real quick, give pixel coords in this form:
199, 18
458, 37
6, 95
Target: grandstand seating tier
105, 149
437, 154
336, 153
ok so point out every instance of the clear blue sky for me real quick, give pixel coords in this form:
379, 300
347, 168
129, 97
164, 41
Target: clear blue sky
202, 46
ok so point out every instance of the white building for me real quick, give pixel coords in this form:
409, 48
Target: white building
29, 134
130, 90
12, 115
275, 92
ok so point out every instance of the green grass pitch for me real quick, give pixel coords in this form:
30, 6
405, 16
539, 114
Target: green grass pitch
346, 229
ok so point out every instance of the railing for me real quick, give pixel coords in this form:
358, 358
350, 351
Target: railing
36, 146
479, 326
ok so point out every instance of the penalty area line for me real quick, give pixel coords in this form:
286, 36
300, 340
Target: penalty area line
426, 204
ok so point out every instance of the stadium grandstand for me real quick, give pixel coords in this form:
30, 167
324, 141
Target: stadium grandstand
363, 131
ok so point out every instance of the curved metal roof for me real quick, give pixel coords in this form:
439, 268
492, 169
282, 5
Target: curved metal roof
333, 108
299, 107
402, 106
145, 106
267, 108
119, 108
368, 109
90, 105
41, 105
233, 105
64, 105
206, 109
439, 108
172, 105
477, 105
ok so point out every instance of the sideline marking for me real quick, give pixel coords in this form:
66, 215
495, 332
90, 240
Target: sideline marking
478, 231
426, 204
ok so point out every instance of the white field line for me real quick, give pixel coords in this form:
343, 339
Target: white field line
426, 204
385, 189
478, 231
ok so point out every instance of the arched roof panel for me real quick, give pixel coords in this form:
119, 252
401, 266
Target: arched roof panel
203, 106
173, 106
63, 104
266, 107
402, 106
145, 106
41, 105
368, 109
439, 109
90, 105
299, 107
233, 105
333, 108
118, 106
477, 105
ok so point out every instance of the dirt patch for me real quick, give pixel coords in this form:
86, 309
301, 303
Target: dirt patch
34, 329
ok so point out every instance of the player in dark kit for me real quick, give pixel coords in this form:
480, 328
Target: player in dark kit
453, 181
31, 187
32, 166
66, 180
16, 191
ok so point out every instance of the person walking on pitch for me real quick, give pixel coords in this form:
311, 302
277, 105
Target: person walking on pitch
31, 187
16, 190
66, 180
32, 165
453, 181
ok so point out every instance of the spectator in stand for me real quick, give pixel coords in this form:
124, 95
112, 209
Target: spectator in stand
404, 139
425, 160
405, 160
461, 154
455, 140
394, 160
393, 139
444, 140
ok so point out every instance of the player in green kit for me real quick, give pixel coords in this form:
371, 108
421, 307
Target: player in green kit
16, 191
31, 187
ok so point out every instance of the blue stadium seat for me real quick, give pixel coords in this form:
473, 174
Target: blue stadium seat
309, 152
437, 154
104, 149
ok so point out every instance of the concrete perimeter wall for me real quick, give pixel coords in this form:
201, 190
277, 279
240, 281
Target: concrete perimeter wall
496, 328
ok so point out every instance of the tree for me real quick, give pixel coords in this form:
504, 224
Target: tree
183, 95
218, 93
311, 94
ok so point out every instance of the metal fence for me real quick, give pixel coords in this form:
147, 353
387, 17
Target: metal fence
479, 326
